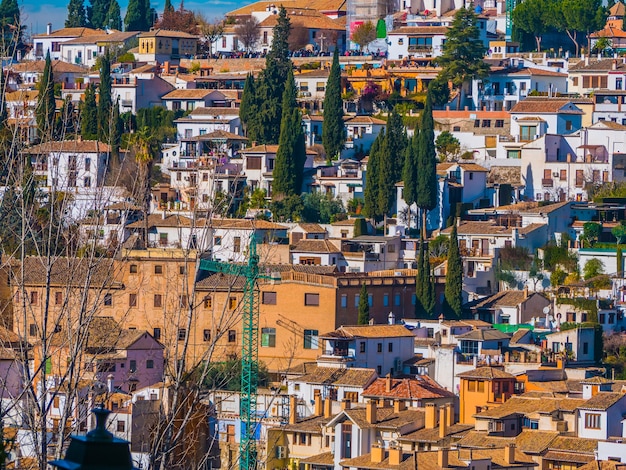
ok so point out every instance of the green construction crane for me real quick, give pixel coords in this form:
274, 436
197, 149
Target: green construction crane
510, 6
249, 350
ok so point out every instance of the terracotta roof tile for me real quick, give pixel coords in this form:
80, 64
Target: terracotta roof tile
187, 94
506, 298
418, 388
315, 246
432, 435
525, 406
574, 444
486, 373
602, 401
71, 32
79, 146
487, 227
369, 331
545, 105
484, 334
157, 220
307, 18
164, 33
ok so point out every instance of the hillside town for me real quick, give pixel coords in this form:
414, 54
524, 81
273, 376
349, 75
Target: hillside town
321, 235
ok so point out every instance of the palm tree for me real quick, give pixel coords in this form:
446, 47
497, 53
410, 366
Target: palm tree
146, 148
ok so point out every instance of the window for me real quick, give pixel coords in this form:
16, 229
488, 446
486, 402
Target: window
477, 123
121, 426
486, 122
390, 347
499, 123
311, 339
156, 332
149, 364
182, 270
158, 269
592, 420
55, 402
514, 154
133, 366
268, 298
34, 297
385, 300
87, 182
182, 334
379, 347
163, 239
268, 337
397, 299
528, 133
217, 241
32, 329
158, 301
206, 336
311, 300
232, 336
208, 302
580, 178
232, 303
58, 298
132, 300
237, 244
344, 301
568, 125
182, 300
563, 175
133, 269
362, 346
469, 347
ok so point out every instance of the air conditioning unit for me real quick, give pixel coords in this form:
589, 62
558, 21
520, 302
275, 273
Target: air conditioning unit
281, 452
555, 174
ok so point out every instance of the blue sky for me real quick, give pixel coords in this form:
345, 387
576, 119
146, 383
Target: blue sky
36, 14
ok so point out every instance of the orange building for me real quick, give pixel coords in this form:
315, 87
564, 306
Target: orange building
483, 388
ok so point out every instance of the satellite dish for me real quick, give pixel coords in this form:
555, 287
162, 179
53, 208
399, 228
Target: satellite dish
99, 388
546, 310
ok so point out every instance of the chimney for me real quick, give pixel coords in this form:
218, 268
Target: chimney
346, 404
293, 409
395, 455
449, 414
166, 67
443, 422
431, 419
378, 453
328, 408
49, 29
614, 66
560, 363
110, 383
370, 412
388, 383
398, 406
442, 457
525, 292
319, 408
509, 454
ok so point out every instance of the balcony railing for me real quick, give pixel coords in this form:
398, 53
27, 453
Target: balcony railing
547, 182
420, 48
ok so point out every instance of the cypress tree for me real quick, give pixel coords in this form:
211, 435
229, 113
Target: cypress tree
391, 162
169, 8
138, 16
409, 174
419, 281
428, 287
46, 104
116, 131
248, 109
89, 115
104, 99
291, 154
360, 227
113, 19
364, 306
333, 129
427, 163
272, 82
454, 277
97, 13
76, 14
370, 194
9, 12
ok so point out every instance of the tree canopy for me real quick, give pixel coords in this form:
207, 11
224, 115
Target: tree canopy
453, 293
364, 306
333, 130
76, 14
364, 34
138, 16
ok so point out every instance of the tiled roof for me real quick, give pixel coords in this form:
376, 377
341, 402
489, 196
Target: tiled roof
386, 418
465, 166
432, 435
618, 10
115, 37
572, 457
37, 66
519, 334
420, 387
311, 228
364, 461
220, 281
603, 464
157, 220
165, 33
595, 65
602, 401
78, 146
187, 94
506, 298
597, 380
319, 5
608, 124
68, 271
327, 459
313, 424
363, 120
71, 32
315, 246
545, 105
266, 148
369, 331
21, 95
307, 18
358, 377
486, 373
246, 224
487, 227
534, 441
525, 406
484, 334
574, 444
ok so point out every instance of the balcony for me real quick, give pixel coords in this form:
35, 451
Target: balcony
127, 103
420, 48
547, 182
